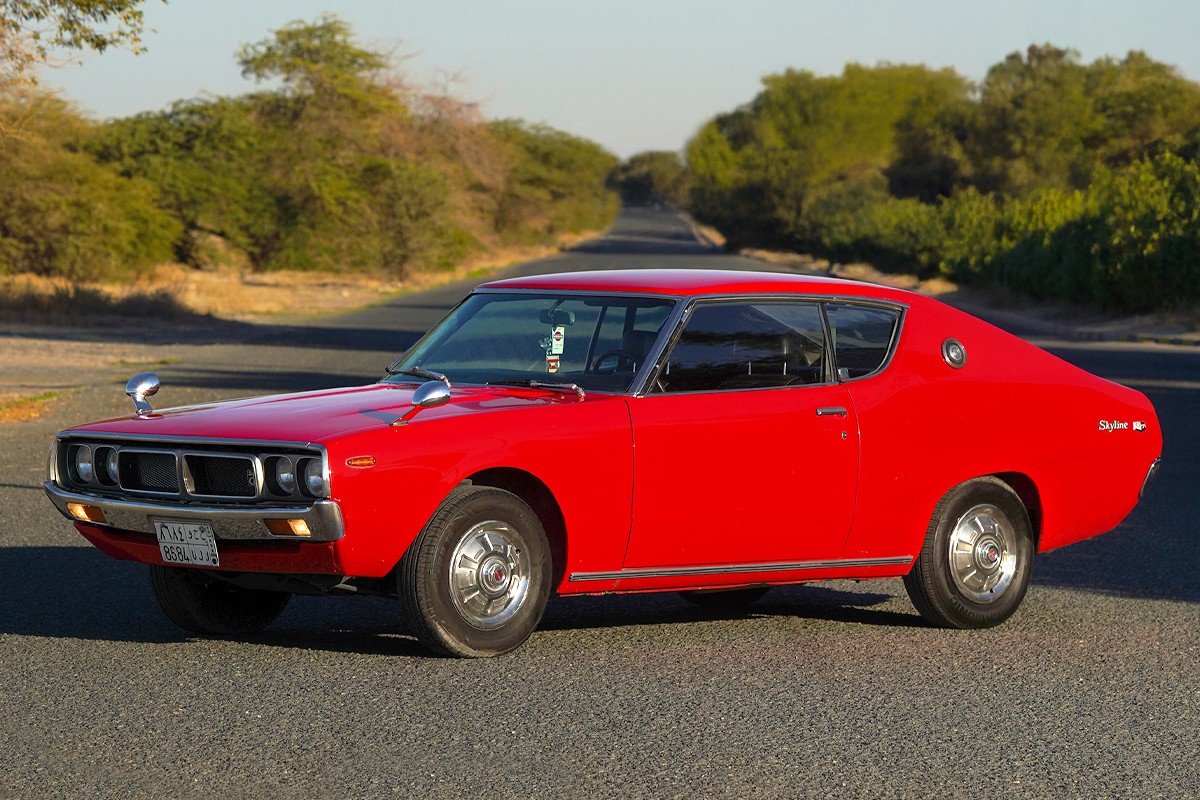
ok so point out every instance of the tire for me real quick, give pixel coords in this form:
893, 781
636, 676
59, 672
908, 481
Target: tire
209, 606
725, 599
974, 567
475, 581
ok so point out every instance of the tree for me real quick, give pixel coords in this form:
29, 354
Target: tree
1146, 108
556, 182
808, 142
1037, 119
652, 177
62, 214
30, 29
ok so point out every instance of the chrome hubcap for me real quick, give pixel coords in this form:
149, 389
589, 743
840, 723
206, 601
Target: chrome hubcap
983, 561
489, 575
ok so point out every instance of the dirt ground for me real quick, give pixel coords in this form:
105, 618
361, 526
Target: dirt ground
46, 323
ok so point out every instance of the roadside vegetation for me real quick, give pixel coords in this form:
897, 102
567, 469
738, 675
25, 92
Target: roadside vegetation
1059, 179
653, 177
335, 163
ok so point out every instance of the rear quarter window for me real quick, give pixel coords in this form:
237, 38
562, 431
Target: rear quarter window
863, 337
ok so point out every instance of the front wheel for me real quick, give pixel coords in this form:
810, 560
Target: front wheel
200, 604
476, 580
974, 567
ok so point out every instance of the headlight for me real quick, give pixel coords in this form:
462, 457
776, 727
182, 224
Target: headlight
82, 461
104, 464
285, 475
314, 477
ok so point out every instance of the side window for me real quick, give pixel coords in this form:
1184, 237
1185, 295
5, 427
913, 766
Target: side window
747, 345
627, 334
862, 337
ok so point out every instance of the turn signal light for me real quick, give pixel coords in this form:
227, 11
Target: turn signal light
288, 527
86, 513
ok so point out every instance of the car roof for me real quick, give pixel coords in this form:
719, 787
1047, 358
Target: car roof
694, 282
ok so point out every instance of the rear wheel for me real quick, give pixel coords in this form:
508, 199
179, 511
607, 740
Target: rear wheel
198, 603
476, 580
974, 567
725, 599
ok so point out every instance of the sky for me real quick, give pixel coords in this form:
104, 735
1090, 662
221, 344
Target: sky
633, 75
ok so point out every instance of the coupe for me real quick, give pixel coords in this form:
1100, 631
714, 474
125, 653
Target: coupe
704, 432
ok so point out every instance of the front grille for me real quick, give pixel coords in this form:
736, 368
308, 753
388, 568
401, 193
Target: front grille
148, 471
185, 471
222, 476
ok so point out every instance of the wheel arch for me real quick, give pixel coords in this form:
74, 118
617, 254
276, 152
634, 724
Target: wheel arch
1030, 497
537, 495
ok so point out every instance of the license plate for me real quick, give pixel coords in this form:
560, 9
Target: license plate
186, 543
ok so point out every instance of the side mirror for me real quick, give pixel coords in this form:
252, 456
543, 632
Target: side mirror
141, 386
427, 395
431, 393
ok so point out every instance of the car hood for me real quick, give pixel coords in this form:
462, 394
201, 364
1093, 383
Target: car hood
316, 416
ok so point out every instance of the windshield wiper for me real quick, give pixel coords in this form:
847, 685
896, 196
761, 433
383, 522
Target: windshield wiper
421, 372
565, 388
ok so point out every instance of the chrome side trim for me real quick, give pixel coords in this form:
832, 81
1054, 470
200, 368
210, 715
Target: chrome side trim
324, 517
729, 569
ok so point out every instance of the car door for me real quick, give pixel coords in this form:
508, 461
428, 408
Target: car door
745, 450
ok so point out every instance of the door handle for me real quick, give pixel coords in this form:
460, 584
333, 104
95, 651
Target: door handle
831, 411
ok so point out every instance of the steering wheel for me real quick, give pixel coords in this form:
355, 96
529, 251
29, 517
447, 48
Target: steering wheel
622, 355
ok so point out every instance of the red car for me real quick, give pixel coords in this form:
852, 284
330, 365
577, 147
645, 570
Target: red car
711, 433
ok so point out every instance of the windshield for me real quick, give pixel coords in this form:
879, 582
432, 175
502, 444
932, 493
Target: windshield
598, 342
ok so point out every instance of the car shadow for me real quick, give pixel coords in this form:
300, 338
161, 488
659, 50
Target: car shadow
669, 608
110, 600
104, 599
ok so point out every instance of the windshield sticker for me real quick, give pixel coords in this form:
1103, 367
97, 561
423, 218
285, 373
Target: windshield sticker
552, 363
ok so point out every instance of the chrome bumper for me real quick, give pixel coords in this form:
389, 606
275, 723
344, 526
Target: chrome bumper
323, 517
1150, 473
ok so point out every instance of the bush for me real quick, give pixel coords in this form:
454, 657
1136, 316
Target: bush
61, 214
1058, 179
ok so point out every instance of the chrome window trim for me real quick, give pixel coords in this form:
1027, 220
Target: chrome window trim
730, 569
644, 389
892, 346
643, 380
678, 301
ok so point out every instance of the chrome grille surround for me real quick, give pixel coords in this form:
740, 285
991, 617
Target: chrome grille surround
148, 471
185, 471
221, 475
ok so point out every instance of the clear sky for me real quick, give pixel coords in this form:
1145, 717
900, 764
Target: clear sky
632, 75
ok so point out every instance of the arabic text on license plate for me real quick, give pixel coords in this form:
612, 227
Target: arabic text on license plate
186, 543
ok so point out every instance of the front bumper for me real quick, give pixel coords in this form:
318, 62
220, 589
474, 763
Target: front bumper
323, 517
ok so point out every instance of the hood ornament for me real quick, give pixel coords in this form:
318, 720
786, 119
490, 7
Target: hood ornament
141, 386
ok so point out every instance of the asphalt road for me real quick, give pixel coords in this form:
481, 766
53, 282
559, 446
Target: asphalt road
830, 690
